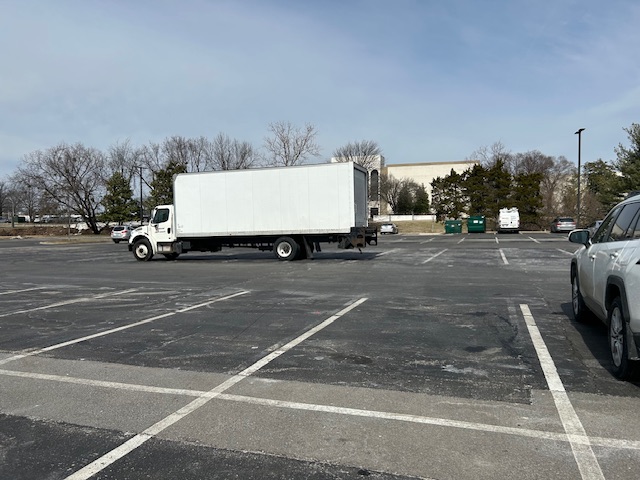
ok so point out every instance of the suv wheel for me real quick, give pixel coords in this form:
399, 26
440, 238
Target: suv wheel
622, 366
580, 311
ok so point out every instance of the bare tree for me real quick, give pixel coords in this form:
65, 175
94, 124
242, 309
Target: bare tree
198, 154
291, 145
72, 175
557, 187
365, 153
490, 156
122, 158
230, 154
531, 162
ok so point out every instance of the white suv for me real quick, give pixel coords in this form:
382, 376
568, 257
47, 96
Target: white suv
605, 281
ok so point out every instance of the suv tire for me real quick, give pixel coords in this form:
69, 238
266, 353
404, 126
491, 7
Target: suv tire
580, 311
623, 368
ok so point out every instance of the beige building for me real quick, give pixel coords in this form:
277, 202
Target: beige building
421, 173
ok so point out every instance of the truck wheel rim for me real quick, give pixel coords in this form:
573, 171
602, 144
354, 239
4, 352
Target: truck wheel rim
284, 249
142, 251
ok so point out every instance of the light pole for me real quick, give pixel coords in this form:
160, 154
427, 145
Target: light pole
579, 133
141, 209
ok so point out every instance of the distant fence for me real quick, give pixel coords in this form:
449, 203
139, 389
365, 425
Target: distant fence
404, 218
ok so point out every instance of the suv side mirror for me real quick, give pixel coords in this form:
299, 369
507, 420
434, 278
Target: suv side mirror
580, 236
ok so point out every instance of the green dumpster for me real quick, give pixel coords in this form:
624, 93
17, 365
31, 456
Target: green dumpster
476, 224
453, 226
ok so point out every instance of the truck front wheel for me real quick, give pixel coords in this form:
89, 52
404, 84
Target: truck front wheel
286, 248
142, 250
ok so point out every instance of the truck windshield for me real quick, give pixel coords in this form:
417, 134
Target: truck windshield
161, 215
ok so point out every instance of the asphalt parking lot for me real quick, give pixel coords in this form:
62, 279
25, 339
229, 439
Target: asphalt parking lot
439, 357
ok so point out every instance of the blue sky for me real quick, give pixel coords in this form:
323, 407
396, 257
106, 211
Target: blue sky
429, 80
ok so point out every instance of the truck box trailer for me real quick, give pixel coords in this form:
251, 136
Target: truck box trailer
287, 210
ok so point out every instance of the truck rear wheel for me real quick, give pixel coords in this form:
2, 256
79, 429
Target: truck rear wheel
142, 250
286, 248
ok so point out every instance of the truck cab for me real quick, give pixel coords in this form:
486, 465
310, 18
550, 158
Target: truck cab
156, 237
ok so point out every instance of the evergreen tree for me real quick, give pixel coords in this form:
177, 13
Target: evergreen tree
421, 201
119, 205
628, 162
476, 189
527, 198
602, 181
499, 188
405, 200
162, 184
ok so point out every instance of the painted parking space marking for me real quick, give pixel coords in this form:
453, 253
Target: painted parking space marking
576, 434
504, 257
461, 240
434, 256
535, 240
57, 346
10, 292
426, 241
134, 442
69, 302
387, 252
606, 442
564, 251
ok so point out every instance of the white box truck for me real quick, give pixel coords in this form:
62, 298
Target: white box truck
287, 210
508, 220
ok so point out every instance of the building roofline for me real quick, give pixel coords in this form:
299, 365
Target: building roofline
470, 162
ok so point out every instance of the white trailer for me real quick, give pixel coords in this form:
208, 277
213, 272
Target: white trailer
508, 220
287, 210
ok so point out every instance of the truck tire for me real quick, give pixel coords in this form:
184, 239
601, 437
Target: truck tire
286, 248
142, 250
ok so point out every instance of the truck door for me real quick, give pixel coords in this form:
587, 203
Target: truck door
162, 225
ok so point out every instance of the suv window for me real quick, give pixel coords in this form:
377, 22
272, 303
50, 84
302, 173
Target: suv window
602, 234
623, 222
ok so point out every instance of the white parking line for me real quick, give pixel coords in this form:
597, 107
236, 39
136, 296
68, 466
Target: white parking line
531, 238
69, 302
434, 256
461, 240
504, 258
577, 435
9, 292
564, 251
134, 442
387, 252
114, 330
403, 417
426, 241
496, 239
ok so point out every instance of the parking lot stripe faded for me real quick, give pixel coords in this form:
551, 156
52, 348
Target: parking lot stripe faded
577, 435
114, 330
134, 442
504, 257
69, 302
9, 292
434, 256
400, 417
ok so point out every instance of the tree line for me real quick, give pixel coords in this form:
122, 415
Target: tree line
99, 185
540, 186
